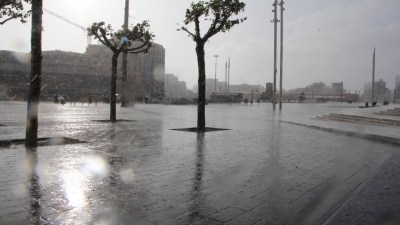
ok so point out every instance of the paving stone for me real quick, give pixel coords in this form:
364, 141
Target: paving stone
239, 221
10, 210
146, 173
207, 222
194, 216
20, 216
249, 204
227, 215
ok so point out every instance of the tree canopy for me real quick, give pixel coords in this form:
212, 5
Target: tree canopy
218, 12
135, 39
13, 9
123, 40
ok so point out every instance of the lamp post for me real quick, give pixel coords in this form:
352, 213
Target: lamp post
281, 59
124, 93
373, 76
216, 57
275, 21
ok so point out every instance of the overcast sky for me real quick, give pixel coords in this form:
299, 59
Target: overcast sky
328, 41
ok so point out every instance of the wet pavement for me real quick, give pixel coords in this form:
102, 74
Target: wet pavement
139, 171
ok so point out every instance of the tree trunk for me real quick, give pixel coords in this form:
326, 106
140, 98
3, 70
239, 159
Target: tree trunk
31, 134
124, 79
201, 108
113, 97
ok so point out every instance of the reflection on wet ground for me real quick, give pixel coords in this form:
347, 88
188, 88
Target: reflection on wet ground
35, 208
260, 171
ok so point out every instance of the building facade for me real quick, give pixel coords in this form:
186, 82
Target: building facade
337, 88
381, 93
397, 89
76, 75
65, 73
145, 72
219, 86
175, 89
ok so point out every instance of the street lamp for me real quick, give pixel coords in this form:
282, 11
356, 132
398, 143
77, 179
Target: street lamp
275, 21
216, 56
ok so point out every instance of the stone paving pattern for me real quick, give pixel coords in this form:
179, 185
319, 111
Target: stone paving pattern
378, 202
262, 171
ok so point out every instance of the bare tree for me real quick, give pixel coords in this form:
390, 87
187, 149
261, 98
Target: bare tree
218, 12
136, 39
13, 9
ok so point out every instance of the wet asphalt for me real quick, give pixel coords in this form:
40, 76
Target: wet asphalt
139, 171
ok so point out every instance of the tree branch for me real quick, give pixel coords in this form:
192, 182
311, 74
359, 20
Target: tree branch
212, 28
221, 26
108, 44
144, 50
122, 47
183, 28
3, 22
98, 37
197, 24
137, 48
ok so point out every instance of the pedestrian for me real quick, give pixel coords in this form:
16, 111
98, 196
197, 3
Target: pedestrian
55, 98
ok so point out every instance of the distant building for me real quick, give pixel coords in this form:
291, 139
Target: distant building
397, 89
319, 88
269, 88
268, 94
77, 75
337, 88
250, 91
211, 86
316, 88
175, 89
246, 89
65, 73
381, 93
148, 69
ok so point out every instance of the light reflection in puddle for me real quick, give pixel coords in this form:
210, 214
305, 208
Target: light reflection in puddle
72, 184
75, 184
94, 166
19, 190
74, 181
127, 175
42, 171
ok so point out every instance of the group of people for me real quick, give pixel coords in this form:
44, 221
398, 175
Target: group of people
374, 103
59, 100
246, 101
